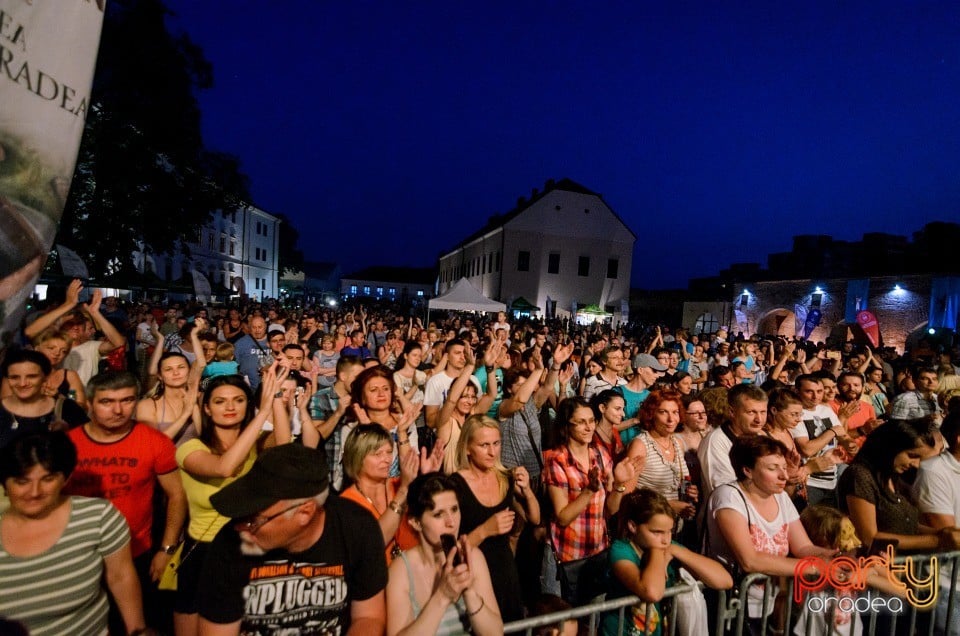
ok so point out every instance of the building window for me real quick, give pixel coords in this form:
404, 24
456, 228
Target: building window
613, 267
816, 300
210, 241
583, 266
232, 248
366, 290
490, 262
256, 283
706, 323
498, 262
353, 290
392, 291
379, 291
420, 293
553, 264
523, 261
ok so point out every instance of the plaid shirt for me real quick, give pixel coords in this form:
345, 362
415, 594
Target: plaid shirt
587, 534
323, 403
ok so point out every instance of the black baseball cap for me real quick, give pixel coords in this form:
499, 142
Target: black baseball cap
288, 471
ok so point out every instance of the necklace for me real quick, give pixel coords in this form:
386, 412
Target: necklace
360, 490
662, 453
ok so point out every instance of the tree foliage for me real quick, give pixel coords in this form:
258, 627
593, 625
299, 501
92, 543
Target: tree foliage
289, 256
143, 174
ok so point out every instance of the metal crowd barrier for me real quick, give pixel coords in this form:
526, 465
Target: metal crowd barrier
591, 614
730, 611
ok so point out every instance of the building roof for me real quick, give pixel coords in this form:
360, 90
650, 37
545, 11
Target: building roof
388, 274
499, 220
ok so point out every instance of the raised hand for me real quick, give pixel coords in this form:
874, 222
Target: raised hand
409, 466
563, 353
95, 301
433, 462
73, 293
361, 414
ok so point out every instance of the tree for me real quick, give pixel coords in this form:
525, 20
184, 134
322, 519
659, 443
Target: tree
289, 256
143, 174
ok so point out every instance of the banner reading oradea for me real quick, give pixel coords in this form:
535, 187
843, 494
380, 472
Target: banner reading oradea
48, 50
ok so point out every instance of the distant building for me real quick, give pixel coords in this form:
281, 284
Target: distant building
397, 284
236, 252
910, 286
562, 249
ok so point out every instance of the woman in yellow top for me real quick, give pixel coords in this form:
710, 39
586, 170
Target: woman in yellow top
231, 433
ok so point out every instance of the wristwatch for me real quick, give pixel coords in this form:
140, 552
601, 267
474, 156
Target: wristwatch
169, 549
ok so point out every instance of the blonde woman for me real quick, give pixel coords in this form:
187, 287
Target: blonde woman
489, 495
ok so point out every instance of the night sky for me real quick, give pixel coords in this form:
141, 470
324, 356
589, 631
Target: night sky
389, 130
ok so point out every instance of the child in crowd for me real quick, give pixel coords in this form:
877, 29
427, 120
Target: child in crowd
223, 362
830, 528
642, 564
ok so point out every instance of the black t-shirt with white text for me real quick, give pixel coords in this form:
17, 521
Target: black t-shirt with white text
304, 593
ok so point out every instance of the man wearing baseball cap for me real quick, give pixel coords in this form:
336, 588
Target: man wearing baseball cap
293, 560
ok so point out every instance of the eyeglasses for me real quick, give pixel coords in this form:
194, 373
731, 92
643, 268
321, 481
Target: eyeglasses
253, 525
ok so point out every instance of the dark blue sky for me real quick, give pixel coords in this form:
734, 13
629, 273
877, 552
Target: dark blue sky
389, 130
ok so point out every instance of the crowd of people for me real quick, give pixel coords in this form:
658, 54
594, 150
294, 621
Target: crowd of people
259, 469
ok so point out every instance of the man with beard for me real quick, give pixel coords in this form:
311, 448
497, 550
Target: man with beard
294, 560
857, 416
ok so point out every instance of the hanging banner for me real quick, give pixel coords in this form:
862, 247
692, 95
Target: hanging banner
201, 286
868, 322
72, 264
741, 320
813, 319
800, 319
48, 51
857, 292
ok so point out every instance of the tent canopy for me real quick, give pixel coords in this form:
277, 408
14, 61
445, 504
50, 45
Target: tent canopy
522, 304
463, 296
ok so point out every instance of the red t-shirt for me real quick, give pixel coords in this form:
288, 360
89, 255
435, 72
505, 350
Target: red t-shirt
125, 473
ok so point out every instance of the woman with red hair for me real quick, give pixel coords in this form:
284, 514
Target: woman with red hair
666, 470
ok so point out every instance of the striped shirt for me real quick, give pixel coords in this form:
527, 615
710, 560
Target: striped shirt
59, 591
659, 473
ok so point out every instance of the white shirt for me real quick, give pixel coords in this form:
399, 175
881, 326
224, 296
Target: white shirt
812, 424
714, 457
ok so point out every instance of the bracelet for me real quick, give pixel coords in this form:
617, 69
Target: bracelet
622, 488
396, 507
477, 611
169, 549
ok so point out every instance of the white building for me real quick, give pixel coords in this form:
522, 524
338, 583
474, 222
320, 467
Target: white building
236, 251
563, 249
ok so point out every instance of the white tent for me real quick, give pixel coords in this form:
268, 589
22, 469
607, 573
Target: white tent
463, 296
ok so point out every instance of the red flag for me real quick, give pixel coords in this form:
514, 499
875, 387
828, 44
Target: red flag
868, 322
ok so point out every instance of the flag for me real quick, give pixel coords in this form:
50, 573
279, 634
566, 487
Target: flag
49, 50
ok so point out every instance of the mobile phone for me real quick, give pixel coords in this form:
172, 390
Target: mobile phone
449, 542
833, 355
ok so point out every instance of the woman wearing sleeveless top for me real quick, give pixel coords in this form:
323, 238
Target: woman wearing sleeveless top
433, 591
172, 408
665, 469
463, 400
56, 346
490, 495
